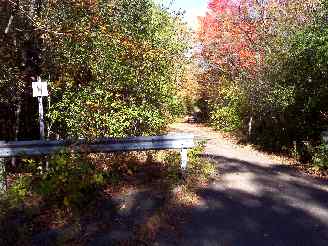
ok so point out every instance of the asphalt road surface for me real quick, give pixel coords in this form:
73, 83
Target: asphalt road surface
255, 200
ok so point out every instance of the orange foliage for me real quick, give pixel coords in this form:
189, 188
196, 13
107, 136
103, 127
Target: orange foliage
228, 35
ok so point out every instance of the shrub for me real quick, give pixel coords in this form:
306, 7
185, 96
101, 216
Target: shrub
320, 157
19, 190
115, 68
199, 169
226, 109
226, 118
198, 166
70, 180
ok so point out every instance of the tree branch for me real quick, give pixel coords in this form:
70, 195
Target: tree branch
22, 10
38, 27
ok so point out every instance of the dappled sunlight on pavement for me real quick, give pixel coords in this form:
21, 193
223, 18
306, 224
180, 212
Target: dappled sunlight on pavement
255, 200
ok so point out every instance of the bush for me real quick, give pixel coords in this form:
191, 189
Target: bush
320, 157
200, 167
114, 69
70, 180
198, 170
226, 118
19, 190
226, 109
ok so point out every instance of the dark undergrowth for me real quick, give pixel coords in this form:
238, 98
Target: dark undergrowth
130, 199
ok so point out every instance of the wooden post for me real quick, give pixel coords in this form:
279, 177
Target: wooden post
41, 116
40, 90
184, 158
42, 126
3, 178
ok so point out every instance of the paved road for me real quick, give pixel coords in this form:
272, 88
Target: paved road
255, 200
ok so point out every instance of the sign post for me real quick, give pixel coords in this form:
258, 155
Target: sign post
3, 178
40, 90
41, 117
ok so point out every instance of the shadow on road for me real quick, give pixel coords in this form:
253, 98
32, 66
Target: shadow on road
254, 204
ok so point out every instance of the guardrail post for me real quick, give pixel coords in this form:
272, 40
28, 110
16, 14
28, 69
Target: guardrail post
184, 158
3, 178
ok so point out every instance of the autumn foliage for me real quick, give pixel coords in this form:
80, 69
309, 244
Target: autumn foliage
228, 38
114, 67
264, 71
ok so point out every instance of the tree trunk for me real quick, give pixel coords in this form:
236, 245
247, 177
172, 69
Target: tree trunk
250, 125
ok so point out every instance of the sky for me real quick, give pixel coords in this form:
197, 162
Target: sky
193, 8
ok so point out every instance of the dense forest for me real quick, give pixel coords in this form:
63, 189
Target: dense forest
114, 67
265, 72
121, 68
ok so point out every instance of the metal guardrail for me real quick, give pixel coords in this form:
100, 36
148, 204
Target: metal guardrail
104, 145
39, 148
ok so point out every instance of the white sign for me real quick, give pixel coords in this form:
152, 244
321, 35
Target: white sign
40, 89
